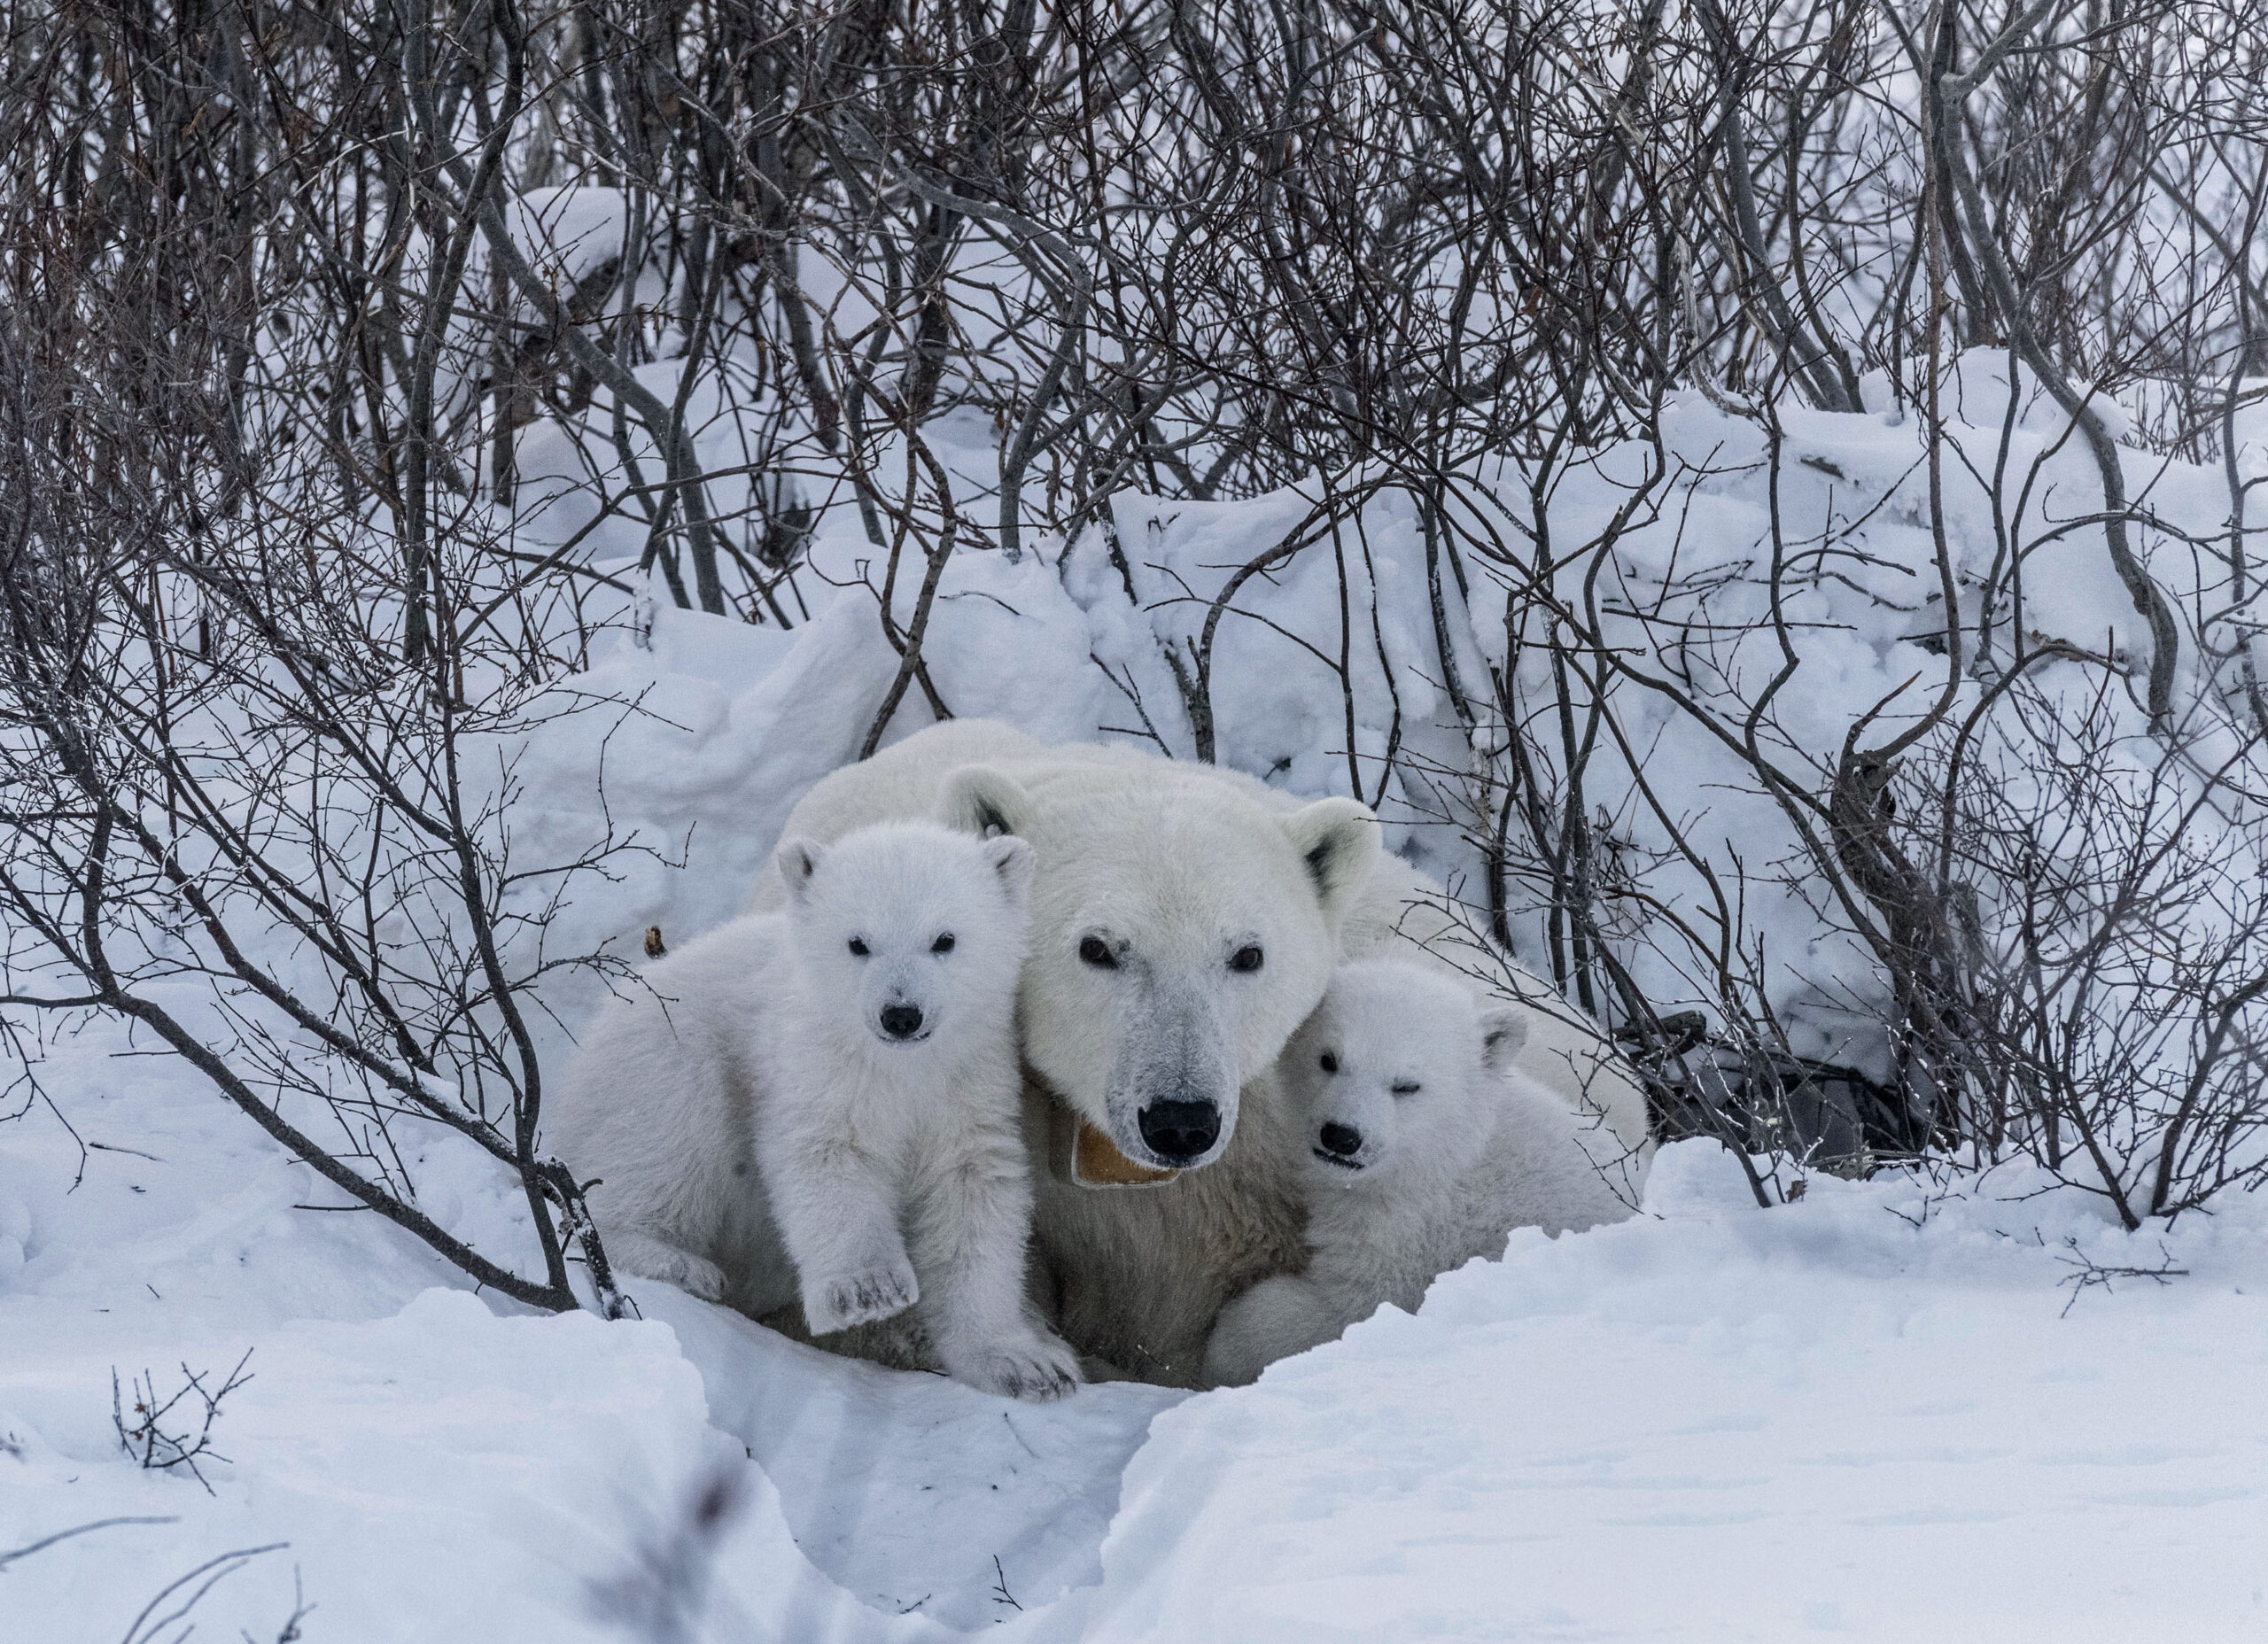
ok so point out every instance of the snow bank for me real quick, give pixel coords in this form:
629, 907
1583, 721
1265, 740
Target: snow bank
1713, 1423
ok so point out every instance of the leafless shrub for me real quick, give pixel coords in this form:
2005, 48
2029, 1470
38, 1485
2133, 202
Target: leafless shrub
149, 1626
2085, 948
340, 305
219, 772
2087, 1274
157, 1438
174, 1602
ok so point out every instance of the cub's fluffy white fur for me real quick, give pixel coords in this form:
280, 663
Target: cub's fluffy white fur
823, 1104
1424, 1147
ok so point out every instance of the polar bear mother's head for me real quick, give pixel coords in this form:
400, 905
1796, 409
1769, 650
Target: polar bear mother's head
1180, 932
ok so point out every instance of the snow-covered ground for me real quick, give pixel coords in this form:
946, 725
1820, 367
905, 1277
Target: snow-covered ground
1896, 1409
1868, 1414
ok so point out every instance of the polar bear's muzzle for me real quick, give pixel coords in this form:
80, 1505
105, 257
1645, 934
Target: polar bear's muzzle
1173, 1093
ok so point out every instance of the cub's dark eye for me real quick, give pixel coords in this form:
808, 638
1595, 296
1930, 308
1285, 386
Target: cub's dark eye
1407, 1087
857, 947
1245, 959
1330, 1062
944, 944
1097, 952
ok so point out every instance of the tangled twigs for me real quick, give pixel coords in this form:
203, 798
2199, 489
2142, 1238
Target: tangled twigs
159, 1441
2086, 1272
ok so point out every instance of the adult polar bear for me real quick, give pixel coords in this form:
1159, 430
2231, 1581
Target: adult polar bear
1185, 920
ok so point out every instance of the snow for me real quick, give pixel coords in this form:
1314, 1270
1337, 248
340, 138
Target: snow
1711, 1423
1890, 1409
442, 1466
1721, 1424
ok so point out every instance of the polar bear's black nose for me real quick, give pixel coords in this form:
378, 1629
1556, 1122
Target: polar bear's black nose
1179, 1130
1344, 1140
901, 1021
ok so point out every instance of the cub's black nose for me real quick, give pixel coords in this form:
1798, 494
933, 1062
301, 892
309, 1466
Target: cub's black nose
901, 1021
1179, 1130
1344, 1140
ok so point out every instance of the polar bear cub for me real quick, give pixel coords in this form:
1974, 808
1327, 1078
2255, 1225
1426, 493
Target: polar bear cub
1423, 1150
824, 1105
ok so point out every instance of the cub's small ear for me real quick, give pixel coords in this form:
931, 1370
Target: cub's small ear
798, 860
1014, 860
977, 799
1338, 843
1503, 1032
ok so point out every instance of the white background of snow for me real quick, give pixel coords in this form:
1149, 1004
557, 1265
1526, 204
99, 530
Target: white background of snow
1711, 1424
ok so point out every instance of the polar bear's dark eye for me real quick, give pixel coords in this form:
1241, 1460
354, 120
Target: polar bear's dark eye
1097, 952
1408, 1087
944, 944
1245, 959
1330, 1062
857, 947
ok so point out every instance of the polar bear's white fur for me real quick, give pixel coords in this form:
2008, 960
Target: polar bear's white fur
824, 1105
1399, 914
1135, 1275
1421, 1148
1181, 930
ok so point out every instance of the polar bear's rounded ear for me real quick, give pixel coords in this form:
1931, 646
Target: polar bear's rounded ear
798, 859
1011, 858
977, 799
1503, 1032
1338, 843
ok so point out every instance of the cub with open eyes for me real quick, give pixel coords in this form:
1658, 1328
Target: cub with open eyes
824, 1105
1422, 1149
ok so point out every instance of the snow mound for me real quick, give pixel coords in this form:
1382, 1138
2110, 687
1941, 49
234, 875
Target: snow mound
1716, 1422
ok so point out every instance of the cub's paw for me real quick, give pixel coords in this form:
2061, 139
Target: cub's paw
860, 1298
697, 1276
650, 1259
1038, 1368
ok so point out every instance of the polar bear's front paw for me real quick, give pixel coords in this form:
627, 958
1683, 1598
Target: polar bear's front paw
861, 1298
1038, 1367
